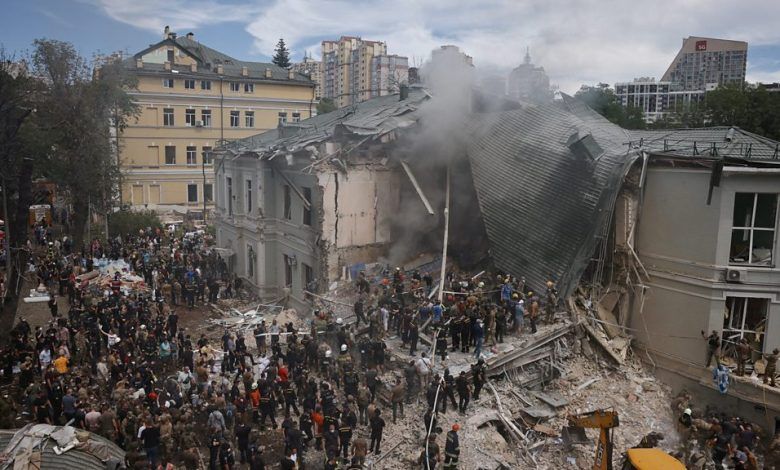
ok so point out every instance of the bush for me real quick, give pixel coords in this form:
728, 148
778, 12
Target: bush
126, 221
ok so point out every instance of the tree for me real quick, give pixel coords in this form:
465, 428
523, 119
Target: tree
282, 55
76, 119
326, 105
601, 98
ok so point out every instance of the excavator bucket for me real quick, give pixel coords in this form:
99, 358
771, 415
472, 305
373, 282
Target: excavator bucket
574, 435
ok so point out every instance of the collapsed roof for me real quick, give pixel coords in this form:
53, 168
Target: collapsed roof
546, 178
713, 142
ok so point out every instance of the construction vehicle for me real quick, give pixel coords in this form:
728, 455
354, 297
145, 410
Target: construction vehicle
635, 458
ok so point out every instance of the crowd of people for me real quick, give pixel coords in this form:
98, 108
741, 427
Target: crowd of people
114, 360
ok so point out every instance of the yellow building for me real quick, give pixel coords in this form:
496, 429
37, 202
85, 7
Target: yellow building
191, 98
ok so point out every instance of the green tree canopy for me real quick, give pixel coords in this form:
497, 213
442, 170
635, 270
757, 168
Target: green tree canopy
601, 98
282, 55
325, 105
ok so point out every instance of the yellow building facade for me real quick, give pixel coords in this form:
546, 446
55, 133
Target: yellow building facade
191, 98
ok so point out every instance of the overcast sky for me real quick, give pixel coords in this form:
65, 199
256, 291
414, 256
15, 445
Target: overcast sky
576, 41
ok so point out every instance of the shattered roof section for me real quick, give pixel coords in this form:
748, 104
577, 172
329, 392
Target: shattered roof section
372, 118
731, 142
544, 204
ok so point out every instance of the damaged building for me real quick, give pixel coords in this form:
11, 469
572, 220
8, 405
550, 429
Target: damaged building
654, 236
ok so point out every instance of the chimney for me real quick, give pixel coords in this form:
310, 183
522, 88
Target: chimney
268, 73
404, 92
220, 69
291, 74
190, 35
166, 32
167, 65
139, 63
173, 36
193, 67
244, 72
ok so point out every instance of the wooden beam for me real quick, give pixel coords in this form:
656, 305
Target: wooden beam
417, 187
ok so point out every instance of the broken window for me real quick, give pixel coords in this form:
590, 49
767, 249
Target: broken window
308, 278
288, 276
307, 210
251, 260
753, 228
745, 318
287, 203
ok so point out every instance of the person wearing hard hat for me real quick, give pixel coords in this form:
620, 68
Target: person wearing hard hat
452, 448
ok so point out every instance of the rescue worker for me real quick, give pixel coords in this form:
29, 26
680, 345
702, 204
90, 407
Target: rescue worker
771, 367
345, 433
478, 376
743, 353
464, 391
713, 346
551, 300
452, 449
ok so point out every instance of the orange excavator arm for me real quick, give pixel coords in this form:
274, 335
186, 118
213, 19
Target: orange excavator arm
604, 421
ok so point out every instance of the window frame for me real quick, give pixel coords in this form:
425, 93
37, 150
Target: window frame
248, 196
187, 82
190, 187
208, 158
296, 117
249, 87
251, 262
732, 333
229, 190
249, 119
307, 213
237, 121
282, 117
208, 192
205, 84
191, 151
287, 202
169, 117
203, 114
173, 155
190, 117
288, 276
235, 87
168, 83
751, 229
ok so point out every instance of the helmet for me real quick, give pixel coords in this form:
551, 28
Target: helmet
339, 321
481, 284
328, 353
254, 385
455, 427
687, 411
549, 283
343, 348
514, 296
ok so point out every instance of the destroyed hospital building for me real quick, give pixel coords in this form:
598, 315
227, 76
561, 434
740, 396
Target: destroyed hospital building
656, 235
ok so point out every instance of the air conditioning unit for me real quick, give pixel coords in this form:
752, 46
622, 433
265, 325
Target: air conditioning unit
736, 275
198, 123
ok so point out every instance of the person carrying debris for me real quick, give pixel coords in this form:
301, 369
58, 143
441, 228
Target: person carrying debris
713, 347
452, 449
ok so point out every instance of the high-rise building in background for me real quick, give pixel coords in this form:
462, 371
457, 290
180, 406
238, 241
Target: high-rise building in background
705, 63
529, 83
702, 65
313, 69
190, 99
354, 70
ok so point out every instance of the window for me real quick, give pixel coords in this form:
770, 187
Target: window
205, 116
251, 260
235, 86
745, 318
208, 158
192, 153
282, 118
229, 186
288, 265
307, 212
167, 83
248, 196
296, 117
234, 118
249, 87
170, 154
287, 203
205, 84
189, 84
189, 117
208, 192
192, 193
308, 278
753, 228
249, 119
170, 55
167, 116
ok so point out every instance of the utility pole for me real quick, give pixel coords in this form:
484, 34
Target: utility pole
446, 236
